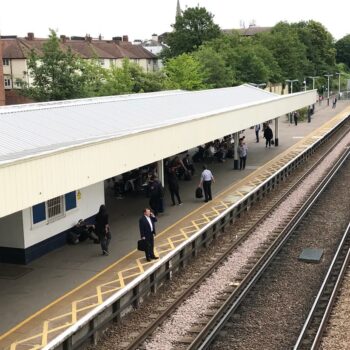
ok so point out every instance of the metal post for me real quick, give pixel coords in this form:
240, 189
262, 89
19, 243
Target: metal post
338, 74
328, 76
235, 152
160, 167
276, 131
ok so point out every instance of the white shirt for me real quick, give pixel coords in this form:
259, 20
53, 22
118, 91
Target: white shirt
150, 222
207, 175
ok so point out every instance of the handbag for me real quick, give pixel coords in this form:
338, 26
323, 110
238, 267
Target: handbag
199, 192
141, 245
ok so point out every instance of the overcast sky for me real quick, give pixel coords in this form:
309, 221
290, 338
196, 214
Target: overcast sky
141, 18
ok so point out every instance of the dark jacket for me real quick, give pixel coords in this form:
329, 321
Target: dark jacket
268, 133
145, 228
101, 222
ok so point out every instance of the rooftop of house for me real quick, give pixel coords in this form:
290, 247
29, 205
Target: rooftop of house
86, 47
250, 31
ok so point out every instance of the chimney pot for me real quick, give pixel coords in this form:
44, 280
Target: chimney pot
30, 36
88, 38
125, 38
63, 38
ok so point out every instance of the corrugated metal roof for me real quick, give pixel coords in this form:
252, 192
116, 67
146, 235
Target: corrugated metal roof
33, 129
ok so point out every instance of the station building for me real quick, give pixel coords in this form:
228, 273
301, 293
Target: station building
55, 157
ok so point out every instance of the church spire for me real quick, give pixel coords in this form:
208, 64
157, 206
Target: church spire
178, 9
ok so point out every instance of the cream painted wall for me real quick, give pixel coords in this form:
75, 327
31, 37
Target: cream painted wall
11, 231
91, 199
31, 181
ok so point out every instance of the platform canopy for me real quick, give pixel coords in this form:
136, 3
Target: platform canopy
48, 149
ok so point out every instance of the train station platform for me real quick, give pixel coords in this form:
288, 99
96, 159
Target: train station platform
41, 299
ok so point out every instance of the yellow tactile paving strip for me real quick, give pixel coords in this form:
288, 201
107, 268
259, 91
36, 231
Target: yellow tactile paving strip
39, 329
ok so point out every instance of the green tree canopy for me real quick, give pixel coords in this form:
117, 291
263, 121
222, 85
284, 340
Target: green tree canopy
194, 27
184, 72
289, 52
319, 43
216, 73
343, 50
55, 73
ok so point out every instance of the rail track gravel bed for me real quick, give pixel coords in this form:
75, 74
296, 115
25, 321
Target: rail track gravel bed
273, 314
117, 337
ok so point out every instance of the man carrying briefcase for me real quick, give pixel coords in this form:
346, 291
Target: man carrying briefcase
147, 232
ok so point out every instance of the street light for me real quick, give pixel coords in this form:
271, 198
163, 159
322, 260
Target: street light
291, 84
313, 82
338, 74
328, 76
304, 82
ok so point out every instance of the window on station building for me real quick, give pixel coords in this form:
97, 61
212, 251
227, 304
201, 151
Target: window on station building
54, 208
70, 200
39, 213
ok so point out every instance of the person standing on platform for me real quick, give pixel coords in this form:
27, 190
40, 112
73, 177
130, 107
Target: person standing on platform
296, 117
206, 179
268, 135
242, 151
155, 194
257, 130
173, 185
147, 232
102, 229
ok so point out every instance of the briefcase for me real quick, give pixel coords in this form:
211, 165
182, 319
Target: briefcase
141, 245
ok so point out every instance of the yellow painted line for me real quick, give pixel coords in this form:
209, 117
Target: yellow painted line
132, 252
44, 336
195, 225
121, 279
99, 295
140, 265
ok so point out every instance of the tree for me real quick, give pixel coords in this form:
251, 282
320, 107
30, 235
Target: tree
191, 30
343, 50
184, 72
319, 43
216, 73
289, 52
55, 73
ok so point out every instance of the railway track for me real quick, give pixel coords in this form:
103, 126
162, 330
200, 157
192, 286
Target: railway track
311, 334
209, 333
235, 292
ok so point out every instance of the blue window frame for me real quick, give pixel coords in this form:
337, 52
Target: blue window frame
71, 200
39, 213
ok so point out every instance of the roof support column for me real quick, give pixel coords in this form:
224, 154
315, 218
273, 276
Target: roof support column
276, 131
235, 151
160, 170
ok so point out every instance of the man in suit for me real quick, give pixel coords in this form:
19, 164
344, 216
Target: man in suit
147, 232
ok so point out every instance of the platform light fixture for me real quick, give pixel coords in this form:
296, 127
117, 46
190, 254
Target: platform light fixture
313, 82
291, 83
328, 76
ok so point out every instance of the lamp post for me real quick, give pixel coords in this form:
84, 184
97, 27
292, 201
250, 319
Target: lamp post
313, 82
328, 76
291, 84
304, 82
338, 74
